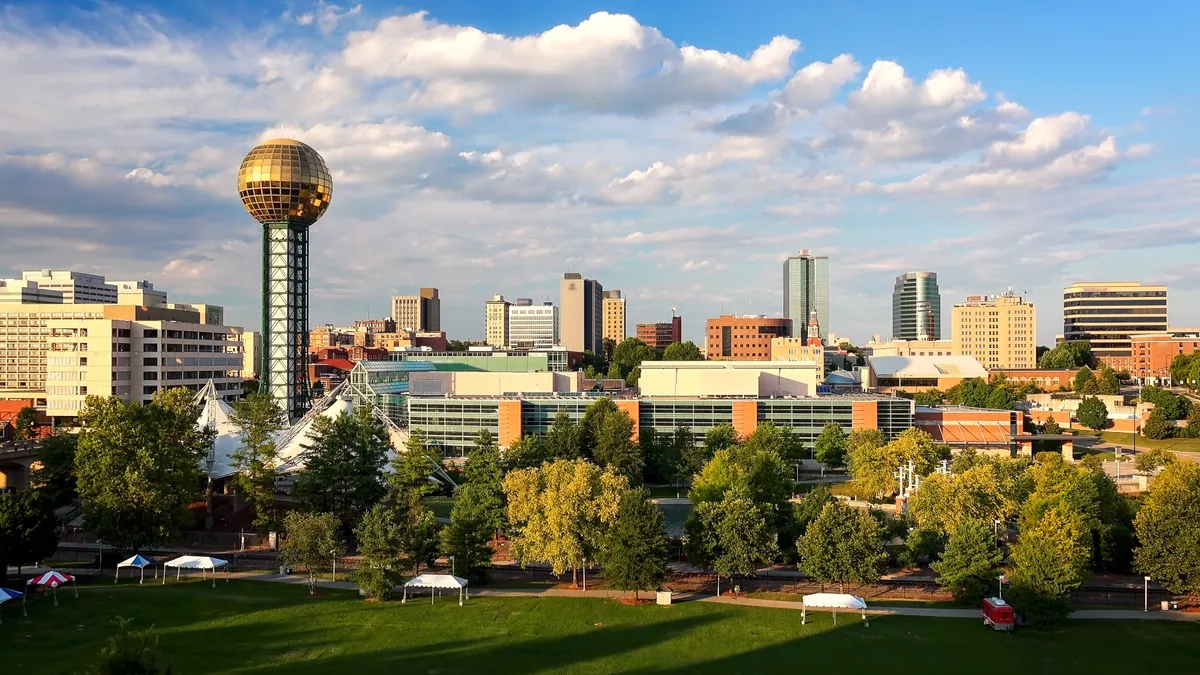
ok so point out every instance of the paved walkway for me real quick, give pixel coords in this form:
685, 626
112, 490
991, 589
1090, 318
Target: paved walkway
935, 612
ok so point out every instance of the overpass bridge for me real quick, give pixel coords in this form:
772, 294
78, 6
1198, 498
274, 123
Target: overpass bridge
16, 457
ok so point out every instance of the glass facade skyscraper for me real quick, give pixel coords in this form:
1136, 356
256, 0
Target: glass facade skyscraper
916, 307
805, 290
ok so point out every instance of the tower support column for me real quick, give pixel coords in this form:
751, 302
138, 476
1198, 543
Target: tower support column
285, 315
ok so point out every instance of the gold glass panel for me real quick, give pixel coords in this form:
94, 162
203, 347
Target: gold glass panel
285, 180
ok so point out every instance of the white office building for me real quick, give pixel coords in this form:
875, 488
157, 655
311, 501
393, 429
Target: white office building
533, 327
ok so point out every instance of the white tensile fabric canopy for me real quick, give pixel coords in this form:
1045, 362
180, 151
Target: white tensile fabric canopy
833, 601
138, 562
434, 582
196, 562
7, 594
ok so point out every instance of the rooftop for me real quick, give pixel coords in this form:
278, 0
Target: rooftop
927, 366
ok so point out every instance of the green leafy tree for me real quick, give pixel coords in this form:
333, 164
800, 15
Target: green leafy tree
1092, 413
607, 347
635, 551
832, 445
485, 481
929, 398
54, 473
809, 509
629, 354
1048, 562
1185, 369
682, 351
379, 541
564, 438
944, 502
1148, 461
1066, 355
720, 437
693, 457
259, 419
420, 540
1084, 381
1051, 427
731, 536
1107, 382
970, 563
468, 536
130, 652
525, 452
27, 532
343, 472
1157, 427
24, 426
615, 449
867, 461
972, 392
922, 545
311, 541
558, 512
843, 545
593, 419
874, 468
665, 453
999, 399
776, 439
410, 479
1173, 407
1168, 529
138, 467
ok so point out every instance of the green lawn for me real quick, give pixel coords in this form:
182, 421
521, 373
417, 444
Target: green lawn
871, 602
252, 627
441, 506
1121, 438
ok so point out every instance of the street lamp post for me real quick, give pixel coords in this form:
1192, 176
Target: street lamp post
996, 528
208, 493
451, 565
585, 575
1146, 596
333, 554
101, 543
1002, 580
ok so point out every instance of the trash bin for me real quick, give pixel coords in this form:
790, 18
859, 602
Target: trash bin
663, 597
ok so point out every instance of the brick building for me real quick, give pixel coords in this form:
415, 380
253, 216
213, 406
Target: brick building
661, 334
1152, 353
743, 336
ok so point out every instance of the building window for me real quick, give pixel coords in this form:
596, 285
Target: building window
150, 361
149, 390
149, 375
149, 333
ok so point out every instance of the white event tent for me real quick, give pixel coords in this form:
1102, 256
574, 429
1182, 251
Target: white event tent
138, 562
435, 582
197, 562
833, 601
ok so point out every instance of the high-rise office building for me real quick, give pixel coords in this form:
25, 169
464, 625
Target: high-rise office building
660, 335
581, 314
1106, 313
78, 288
1000, 331
496, 326
614, 317
420, 313
533, 327
806, 290
916, 307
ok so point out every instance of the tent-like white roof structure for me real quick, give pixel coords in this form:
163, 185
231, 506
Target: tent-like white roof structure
834, 601
196, 562
294, 442
216, 414
927, 366
136, 561
436, 581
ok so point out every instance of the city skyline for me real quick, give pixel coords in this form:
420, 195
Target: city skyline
650, 191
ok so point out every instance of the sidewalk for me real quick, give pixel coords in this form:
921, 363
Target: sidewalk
487, 592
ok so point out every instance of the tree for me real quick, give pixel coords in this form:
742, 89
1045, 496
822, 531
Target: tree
776, 439
589, 425
999, 399
720, 437
343, 472
468, 537
457, 346
1051, 427
1092, 413
629, 354
379, 541
1168, 529
1049, 561
1148, 461
420, 540
607, 346
944, 502
563, 440
635, 550
130, 652
259, 419
866, 461
411, 470
1107, 382
1084, 381
929, 398
844, 544
874, 468
523, 453
138, 467
485, 480
1066, 355
1173, 407
23, 425
731, 536
615, 449
27, 532
54, 472
557, 512
682, 351
1157, 427
311, 541
970, 563
694, 457
1185, 368
831, 446
809, 509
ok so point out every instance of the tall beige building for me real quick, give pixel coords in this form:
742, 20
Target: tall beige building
496, 329
614, 317
418, 313
1000, 331
581, 314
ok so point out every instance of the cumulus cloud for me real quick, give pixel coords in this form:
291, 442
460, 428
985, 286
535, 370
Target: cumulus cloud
606, 63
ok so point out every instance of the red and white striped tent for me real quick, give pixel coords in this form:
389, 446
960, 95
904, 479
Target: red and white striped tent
51, 580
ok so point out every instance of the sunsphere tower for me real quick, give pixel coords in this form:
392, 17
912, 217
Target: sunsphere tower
285, 185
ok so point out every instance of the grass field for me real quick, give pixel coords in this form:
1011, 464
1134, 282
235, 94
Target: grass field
1121, 438
253, 627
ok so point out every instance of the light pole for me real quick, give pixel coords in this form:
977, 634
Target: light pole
208, 492
996, 528
101, 543
333, 554
1146, 596
1002, 580
585, 575
451, 565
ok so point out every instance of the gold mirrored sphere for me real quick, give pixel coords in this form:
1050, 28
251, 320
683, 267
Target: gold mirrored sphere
285, 181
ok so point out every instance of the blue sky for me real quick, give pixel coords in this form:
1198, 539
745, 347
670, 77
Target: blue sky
675, 150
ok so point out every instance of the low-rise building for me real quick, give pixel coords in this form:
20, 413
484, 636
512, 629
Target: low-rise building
662, 334
743, 337
796, 349
1152, 353
893, 374
910, 348
729, 378
1047, 379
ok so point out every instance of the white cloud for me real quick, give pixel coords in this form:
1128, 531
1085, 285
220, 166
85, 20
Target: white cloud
607, 63
1043, 136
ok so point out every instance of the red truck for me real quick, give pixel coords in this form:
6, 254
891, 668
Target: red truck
998, 614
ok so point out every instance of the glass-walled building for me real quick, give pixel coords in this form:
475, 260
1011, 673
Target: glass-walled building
916, 307
806, 290
385, 384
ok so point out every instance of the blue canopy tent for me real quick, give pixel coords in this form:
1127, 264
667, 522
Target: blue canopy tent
8, 594
136, 561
